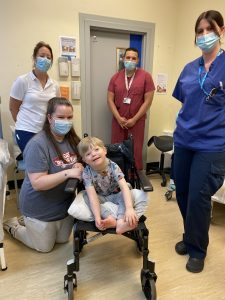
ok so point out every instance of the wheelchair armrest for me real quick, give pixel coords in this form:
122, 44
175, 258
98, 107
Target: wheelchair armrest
71, 185
144, 181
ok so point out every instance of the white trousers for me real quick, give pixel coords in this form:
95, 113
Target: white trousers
109, 205
42, 236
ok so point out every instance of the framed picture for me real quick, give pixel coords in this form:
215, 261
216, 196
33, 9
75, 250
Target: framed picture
119, 58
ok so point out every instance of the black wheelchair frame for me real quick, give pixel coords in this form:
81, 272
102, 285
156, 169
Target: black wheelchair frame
122, 154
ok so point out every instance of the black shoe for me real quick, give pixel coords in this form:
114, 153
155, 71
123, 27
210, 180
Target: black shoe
181, 248
195, 265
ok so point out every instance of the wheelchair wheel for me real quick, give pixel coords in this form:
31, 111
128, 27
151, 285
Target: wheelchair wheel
148, 286
164, 180
70, 290
70, 285
163, 183
169, 195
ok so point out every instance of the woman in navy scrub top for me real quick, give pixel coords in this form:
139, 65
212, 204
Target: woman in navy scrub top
199, 138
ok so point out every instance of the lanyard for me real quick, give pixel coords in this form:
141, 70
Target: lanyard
126, 81
201, 81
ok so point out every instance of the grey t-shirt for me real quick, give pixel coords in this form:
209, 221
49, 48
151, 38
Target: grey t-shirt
40, 156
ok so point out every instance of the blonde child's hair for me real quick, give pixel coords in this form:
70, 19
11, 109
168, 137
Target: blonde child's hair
88, 143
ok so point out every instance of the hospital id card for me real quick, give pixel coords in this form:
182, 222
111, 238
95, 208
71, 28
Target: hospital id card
126, 100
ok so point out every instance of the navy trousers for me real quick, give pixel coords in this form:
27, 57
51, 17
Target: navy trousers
22, 138
198, 175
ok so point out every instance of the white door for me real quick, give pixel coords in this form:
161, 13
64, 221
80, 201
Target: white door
103, 65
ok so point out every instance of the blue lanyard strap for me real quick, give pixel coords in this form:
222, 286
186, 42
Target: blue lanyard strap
201, 81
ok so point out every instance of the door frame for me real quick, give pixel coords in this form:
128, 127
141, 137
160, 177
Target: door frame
87, 22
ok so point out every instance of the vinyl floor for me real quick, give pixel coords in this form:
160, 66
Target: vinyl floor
110, 266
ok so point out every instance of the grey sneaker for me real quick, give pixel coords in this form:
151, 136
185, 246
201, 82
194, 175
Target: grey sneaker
11, 225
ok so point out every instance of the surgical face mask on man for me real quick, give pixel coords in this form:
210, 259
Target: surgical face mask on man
43, 63
207, 41
129, 65
61, 127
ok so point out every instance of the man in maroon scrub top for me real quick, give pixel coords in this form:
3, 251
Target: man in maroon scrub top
130, 94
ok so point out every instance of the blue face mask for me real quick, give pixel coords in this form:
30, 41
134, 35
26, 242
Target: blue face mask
130, 65
207, 41
61, 127
43, 63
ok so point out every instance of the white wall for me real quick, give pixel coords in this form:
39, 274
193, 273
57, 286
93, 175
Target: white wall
23, 23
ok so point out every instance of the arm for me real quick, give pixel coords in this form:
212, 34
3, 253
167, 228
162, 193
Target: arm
44, 181
130, 215
14, 106
111, 104
95, 205
148, 98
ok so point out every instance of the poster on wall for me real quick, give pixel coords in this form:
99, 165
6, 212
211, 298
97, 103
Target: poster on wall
67, 46
161, 83
119, 58
65, 92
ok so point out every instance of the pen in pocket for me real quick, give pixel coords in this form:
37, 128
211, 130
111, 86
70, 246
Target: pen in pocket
221, 85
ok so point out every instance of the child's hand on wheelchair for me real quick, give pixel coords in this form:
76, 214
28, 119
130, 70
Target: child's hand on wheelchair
100, 224
130, 217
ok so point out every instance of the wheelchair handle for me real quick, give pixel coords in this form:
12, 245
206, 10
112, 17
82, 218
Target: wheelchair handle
71, 185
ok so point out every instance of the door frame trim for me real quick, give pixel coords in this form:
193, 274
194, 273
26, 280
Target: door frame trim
87, 22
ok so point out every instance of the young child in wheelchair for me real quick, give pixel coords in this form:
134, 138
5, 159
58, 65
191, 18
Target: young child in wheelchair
107, 195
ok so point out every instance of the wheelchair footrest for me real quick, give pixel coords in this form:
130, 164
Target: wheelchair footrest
94, 237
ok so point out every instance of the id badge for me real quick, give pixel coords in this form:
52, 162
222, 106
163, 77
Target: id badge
126, 100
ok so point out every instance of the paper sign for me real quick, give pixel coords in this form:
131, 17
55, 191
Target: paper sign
65, 92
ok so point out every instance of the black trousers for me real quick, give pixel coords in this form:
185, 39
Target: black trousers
198, 175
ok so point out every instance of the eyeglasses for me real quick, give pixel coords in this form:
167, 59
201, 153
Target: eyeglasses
212, 93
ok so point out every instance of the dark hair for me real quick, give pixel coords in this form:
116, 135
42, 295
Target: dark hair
40, 45
213, 17
71, 136
131, 49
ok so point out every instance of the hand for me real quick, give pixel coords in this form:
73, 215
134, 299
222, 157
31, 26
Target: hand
99, 224
130, 123
122, 122
75, 172
79, 166
130, 217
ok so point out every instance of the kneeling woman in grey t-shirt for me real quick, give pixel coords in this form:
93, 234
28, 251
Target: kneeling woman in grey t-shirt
51, 158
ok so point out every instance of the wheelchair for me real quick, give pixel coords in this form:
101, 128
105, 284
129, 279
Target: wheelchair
122, 154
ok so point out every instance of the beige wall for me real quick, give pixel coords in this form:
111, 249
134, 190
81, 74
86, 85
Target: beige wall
23, 23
